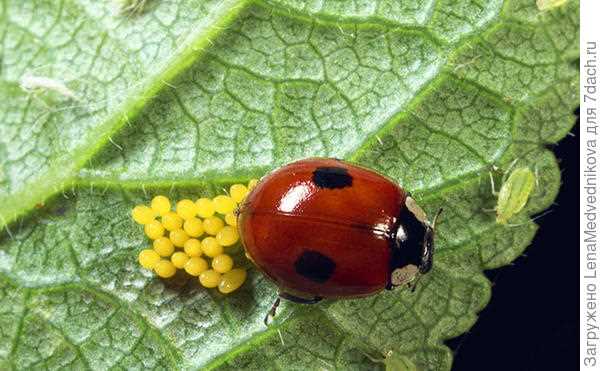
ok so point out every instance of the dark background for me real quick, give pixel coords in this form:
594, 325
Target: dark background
531, 322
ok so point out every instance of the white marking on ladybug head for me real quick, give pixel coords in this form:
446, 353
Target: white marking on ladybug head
401, 234
401, 276
412, 206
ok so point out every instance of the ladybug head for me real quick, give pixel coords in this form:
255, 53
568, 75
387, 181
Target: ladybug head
412, 254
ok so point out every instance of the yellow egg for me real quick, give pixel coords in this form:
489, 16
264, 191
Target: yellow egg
231, 219
227, 236
252, 183
192, 247
179, 259
178, 237
232, 280
165, 269
171, 221
224, 204
142, 214
205, 207
186, 209
210, 278
213, 225
148, 258
154, 230
193, 227
163, 246
160, 205
222, 263
195, 266
238, 192
210, 247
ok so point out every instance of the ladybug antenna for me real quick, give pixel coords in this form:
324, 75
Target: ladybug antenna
435, 218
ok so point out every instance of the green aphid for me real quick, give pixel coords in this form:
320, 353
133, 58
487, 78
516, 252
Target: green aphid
514, 193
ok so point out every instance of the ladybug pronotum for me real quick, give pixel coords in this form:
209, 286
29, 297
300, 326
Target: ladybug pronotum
325, 228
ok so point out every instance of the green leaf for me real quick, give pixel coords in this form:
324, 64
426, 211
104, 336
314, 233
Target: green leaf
186, 97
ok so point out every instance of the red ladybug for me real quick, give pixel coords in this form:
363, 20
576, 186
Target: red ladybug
325, 228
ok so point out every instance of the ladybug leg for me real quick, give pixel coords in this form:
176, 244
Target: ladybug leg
412, 285
284, 295
295, 299
240, 208
271, 313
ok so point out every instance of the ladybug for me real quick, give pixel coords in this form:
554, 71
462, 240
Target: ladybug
325, 228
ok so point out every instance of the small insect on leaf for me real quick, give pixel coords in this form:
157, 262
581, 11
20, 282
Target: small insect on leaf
514, 194
31, 83
549, 4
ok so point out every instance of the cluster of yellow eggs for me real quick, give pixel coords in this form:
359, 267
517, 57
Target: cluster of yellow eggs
184, 238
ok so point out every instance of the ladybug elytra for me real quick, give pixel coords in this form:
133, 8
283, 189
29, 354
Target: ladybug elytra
325, 228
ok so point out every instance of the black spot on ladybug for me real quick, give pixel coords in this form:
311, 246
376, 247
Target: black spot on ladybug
314, 266
332, 177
